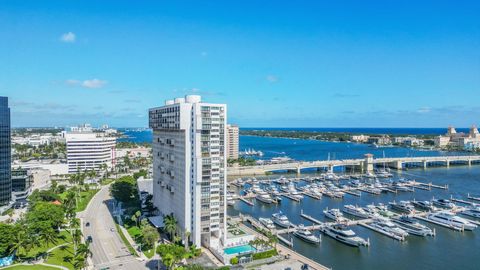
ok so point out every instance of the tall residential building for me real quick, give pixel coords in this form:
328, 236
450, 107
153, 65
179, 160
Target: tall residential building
189, 167
87, 150
5, 153
232, 141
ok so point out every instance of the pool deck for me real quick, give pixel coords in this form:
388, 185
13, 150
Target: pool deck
283, 250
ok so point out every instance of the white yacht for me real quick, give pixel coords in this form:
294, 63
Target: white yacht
335, 214
410, 225
443, 203
450, 220
268, 223
306, 235
281, 220
256, 188
473, 211
355, 211
402, 206
371, 210
264, 197
387, 226
344, 235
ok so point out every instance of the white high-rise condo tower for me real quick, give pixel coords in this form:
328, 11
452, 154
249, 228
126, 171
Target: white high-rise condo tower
189, 167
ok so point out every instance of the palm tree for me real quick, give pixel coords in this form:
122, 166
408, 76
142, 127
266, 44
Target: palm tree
76, 239
82, 254
170, 225
187, 238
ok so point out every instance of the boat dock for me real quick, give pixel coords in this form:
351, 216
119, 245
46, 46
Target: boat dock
460, 201
246, 201
308, 217
311, 195
353, 192
473, 198
430, 185
285, 241
287, 195
287, 251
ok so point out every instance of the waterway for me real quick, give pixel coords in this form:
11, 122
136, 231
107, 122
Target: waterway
447, 250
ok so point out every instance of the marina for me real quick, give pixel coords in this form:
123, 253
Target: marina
423, 186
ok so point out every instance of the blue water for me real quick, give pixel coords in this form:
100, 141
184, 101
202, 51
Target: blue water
146, 135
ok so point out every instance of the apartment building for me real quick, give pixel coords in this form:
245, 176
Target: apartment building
189, 167
232, 141
88, 150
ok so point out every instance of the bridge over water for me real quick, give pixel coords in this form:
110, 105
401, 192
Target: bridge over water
363, 165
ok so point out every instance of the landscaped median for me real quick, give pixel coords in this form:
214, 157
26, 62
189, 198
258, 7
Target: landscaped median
125, 240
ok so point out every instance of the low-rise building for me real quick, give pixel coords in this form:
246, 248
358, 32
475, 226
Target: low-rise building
22, 180
359, 138
382, 140
459, 140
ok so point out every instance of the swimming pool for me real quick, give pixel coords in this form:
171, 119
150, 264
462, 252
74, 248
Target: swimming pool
239, 249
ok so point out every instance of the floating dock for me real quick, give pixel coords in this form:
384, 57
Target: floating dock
246, 201
312, 219
352, 192
291, 197
473, 198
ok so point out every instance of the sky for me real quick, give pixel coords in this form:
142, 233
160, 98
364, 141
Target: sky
275, 63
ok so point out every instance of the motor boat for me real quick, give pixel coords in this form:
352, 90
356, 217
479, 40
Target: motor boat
450, 220
281, 220
256, 188
343, 234
402, 206
335, 214
443, 203
424, 205
371, 210
306, 235
382, 210
473, 211
389, 227
355, 211
264, 197
410, 225
268, 223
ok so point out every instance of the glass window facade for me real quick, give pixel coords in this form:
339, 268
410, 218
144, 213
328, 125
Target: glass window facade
5, 153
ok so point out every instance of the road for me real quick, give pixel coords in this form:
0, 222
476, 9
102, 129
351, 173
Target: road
107, 247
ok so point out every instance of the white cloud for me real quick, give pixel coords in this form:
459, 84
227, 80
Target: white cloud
94, 83
72, 82
424, 110
271, 78
68, 37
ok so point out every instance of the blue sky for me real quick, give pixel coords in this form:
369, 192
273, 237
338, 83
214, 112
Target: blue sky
275, 63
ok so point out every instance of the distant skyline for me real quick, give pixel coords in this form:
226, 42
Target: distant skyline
275, 63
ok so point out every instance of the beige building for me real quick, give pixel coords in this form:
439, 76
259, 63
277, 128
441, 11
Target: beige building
453, 138
232, 141
359, 138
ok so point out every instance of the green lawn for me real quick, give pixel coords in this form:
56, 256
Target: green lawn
134, 231
31, 267
64, 237
107, 181
62, 256
149, 252
85, 197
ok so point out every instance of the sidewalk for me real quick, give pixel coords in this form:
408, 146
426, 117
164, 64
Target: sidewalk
133, 243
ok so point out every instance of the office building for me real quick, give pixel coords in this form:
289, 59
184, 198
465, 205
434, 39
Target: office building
5, 153
189, 167
22, 180
88, 150
232, 142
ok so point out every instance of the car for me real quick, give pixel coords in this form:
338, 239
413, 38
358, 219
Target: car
89, 238
112, 230
87, 224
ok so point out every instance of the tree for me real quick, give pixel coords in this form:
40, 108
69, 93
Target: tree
81, 255
45, 213
150, 235
170, 225
43, 196
7, 239
124, 189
